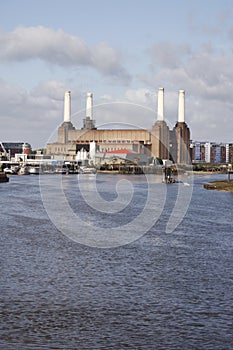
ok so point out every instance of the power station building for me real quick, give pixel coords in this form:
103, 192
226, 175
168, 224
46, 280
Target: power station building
159, 142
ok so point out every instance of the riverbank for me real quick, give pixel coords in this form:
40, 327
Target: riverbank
207, 172
221, 185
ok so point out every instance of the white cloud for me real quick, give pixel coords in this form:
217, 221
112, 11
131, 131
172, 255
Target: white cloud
60, 48
30, 115
206, 74
106, 60
135, 108
168, 54
140, 96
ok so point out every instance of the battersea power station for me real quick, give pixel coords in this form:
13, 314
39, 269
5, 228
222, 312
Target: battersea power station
157, 143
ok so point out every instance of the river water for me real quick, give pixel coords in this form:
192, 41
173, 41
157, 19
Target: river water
162, 291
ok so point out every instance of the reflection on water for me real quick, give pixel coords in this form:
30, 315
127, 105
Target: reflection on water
164, 291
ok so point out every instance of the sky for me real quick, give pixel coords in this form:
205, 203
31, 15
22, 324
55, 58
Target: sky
122, 51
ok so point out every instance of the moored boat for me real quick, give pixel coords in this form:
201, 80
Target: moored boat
3, 177
34, 170
23, 170
87, 170
10, 171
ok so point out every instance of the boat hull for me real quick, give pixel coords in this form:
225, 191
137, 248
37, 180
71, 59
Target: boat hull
4, 177
34, 170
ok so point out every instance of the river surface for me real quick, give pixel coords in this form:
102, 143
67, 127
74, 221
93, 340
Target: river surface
162, 291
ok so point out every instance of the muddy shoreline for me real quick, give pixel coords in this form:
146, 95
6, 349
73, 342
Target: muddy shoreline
220, 185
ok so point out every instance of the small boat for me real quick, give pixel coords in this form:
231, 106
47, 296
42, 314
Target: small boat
3, 177
34, 170
87, 170
10, 171
24, 170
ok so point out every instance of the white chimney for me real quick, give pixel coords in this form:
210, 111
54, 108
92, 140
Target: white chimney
181, 107
160, 115
89, 105
67, 107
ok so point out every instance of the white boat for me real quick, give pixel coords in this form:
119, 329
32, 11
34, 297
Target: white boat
34, 170
10, 171
23, 170
10, 168
87, 170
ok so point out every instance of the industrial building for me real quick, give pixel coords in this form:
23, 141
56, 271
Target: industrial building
159, 142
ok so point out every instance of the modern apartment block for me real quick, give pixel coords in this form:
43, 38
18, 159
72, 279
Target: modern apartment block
211, 152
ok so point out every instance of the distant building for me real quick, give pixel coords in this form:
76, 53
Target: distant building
152, 143
211, 152
160, 143
9, 149
180, 135
197, 150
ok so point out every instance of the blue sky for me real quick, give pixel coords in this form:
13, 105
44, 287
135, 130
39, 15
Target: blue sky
122, 51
